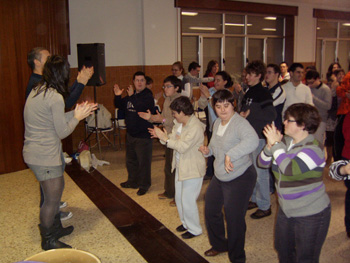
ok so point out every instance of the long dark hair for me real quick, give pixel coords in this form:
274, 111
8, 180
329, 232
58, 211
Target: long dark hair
55, 76
210, 65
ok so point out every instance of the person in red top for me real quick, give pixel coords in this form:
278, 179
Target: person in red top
212, 69
343, 92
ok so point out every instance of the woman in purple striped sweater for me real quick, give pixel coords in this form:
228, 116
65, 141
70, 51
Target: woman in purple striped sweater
297, 161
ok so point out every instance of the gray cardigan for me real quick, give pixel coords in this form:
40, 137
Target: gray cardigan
46, 125
238, 141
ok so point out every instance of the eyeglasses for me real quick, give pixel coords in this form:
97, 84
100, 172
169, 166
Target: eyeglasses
169, 86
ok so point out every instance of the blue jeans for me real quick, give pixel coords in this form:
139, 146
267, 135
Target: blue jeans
300, 239
261, 193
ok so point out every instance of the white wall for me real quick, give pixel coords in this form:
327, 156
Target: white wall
160, 32
135, 32
144, 32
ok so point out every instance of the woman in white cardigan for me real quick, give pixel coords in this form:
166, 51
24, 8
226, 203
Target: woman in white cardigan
186, 137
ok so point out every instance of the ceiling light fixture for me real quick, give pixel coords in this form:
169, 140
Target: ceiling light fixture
189, 13
202, 28
268, 29
270, 18
235, 24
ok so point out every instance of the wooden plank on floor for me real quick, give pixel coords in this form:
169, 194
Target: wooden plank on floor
149, 237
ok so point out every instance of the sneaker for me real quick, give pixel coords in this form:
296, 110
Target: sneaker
63, 204
261, 213
65, 215
172, 203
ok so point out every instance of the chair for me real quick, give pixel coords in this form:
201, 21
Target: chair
92, 128
119, 124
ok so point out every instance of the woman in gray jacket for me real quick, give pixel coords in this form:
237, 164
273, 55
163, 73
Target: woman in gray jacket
46, 124
232, 142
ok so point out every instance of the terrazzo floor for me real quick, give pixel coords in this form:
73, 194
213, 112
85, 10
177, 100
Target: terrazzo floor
19, 195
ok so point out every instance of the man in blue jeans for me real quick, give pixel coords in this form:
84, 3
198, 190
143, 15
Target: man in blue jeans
258, 109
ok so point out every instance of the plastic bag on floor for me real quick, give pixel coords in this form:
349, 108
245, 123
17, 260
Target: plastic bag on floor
95, 162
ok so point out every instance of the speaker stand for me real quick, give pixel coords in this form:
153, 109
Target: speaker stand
95, 129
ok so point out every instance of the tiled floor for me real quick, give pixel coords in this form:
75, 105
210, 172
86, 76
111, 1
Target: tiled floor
19, 195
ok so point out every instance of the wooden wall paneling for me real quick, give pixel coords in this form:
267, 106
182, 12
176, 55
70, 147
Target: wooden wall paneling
24, 24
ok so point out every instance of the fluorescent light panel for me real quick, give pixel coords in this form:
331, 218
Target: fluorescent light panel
189, 13
268, 29
234, 24
202, 28
270, 18
346, 24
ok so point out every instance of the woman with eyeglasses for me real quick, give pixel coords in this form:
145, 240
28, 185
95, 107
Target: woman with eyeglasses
297, 160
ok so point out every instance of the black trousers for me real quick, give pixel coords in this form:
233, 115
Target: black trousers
138, 161
169, 180
234, 196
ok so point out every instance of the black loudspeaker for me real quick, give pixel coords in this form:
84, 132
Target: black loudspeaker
93, 55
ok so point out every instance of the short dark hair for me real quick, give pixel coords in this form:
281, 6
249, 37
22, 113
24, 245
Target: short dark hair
175, 81
304, 114
284, 62
226, 77
257, 67
34, 54
138, 73
182, 104
275, 67
337, 71
311, 67
149, 80
55, 75
312, 74
193, 65
222, 96
294, 66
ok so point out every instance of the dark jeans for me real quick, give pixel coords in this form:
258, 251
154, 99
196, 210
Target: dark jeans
210, 160
234, 196
138, 161
300, 239
338, 139
169, 180
347, 206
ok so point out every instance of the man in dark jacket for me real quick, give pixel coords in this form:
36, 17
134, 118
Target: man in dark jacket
258, 109
138, 140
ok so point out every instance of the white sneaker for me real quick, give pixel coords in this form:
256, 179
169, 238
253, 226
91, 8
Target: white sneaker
63, 204
65, 215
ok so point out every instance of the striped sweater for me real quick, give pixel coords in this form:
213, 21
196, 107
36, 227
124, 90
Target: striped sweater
298, 173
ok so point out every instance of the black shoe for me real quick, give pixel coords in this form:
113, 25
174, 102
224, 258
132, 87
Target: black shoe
181, 228
252, 205
261, 213
141, 191
128, 185
187, 235
348, 233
